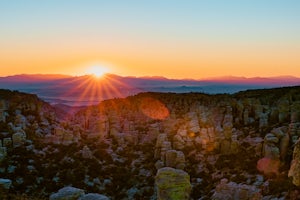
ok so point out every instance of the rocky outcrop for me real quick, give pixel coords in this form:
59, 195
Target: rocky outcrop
199, 135
275, 149
175, 159
72, 193
162, 146
294, 171
172, 184
231, 190
62, 136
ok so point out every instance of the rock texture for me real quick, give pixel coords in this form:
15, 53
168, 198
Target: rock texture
231, 190
127, 148
172, 184
93, 196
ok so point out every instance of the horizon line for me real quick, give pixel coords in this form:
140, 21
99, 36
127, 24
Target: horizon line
156, 76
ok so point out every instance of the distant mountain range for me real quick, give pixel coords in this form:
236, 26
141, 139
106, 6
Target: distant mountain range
87, 90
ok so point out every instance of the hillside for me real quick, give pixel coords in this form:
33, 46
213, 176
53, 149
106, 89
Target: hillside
155, 146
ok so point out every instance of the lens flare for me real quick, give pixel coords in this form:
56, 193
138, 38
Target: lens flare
153, 108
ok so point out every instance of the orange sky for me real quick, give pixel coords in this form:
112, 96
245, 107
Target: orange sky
147, 39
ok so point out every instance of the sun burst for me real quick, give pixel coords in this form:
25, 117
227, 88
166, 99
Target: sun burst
97, 71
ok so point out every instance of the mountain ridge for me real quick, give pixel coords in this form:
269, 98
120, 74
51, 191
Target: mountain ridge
87, 89
61, 76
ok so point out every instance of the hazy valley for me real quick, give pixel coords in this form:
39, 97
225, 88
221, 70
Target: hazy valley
90, 90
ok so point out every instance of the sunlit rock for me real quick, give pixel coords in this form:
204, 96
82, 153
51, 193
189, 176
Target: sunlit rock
172, 184
294, 171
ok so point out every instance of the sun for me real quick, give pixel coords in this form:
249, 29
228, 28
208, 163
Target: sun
97, 71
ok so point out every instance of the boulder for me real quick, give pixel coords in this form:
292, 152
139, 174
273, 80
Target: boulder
67, 193
5, 183
172, 184
93, 196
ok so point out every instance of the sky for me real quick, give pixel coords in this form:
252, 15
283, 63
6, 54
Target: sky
171, 38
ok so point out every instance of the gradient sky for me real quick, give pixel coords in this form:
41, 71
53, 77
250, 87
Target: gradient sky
171, 38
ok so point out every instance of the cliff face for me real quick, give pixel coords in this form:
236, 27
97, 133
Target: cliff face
242, 142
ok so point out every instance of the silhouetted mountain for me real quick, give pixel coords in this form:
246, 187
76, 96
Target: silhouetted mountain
87, 90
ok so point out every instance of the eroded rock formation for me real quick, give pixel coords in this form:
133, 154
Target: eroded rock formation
172, 184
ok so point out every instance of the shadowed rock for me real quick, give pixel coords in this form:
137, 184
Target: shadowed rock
67, 193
